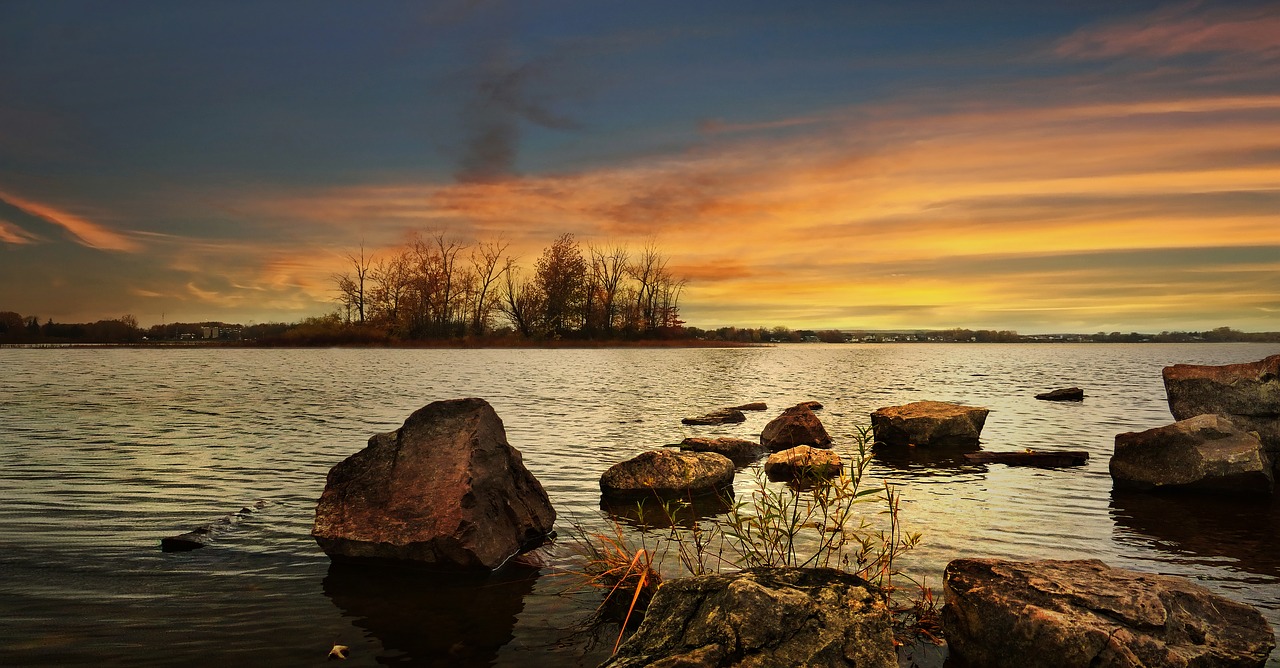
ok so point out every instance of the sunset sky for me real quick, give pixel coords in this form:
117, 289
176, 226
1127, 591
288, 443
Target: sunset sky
1055, 167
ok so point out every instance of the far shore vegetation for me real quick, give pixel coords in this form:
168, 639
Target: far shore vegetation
438, 292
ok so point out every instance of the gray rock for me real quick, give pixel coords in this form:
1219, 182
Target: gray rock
1085, 614
929, 423
795, 426
445, 490
666, 474
720, 416
763, 617
1062, 394
802, 462
1206, 452
740, 451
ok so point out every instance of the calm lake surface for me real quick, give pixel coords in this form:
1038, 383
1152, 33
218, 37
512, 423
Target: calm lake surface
106, 451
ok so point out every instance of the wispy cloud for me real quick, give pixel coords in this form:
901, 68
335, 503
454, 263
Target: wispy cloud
83, 231
12, 234
1190, 28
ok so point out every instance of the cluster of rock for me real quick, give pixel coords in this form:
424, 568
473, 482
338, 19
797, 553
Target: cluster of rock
1226, 436
447, 491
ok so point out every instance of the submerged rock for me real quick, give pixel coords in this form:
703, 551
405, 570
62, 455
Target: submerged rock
763, 617
1081, 614
666, 474
802, 462
1206, 452
204, 535
1062, 394
754, 406
445, 490
929, 423
1039, 458
740, 451
796, 426
720, 416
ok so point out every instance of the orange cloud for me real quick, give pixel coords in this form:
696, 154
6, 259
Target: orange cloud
85, 232
12, 234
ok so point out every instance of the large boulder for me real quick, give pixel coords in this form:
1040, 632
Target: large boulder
763, 617
796, 426
667, 474
1085, 614
929, 423
445, 490
802, 462
1249, 393
1206, 452
742, 452
718, 416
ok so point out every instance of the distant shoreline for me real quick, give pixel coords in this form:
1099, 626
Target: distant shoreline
568, 345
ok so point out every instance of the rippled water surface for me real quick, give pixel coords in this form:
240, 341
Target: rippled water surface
107, 451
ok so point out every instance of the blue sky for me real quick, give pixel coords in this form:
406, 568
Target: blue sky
1073, 166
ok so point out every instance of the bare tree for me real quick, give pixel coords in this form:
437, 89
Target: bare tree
521, 301
487, 267
351, 285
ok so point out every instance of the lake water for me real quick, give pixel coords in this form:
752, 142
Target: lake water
106, 451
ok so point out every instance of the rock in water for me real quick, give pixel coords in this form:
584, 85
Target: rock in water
445, 490
753, 406
802, 462
1062, 394
929, 423
1081, 614
666, 474
1206, 452
796, 426
763, 617
1251, 389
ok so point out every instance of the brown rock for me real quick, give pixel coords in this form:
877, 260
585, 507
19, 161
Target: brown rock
811, 405
796, 426
763, 617
1249, 393
928, 423
802, 462
756, 406
721, 416
445, 490
740, 451
1251, 389
667, 474
1038, 458
1082, 614
1206, 452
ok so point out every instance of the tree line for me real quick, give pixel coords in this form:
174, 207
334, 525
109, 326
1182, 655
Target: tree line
433, 287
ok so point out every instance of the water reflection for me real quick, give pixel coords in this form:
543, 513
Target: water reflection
654, 513
936, 459
429, 619
1243, 529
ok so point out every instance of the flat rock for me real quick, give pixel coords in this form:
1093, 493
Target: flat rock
802, 462
754, 406
204, 535
740, 451
1206, 452
721, 416
1039, 458
1085, 614
928, 423
795, 426
445, 490
763, 617
667, 474
1062, 394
